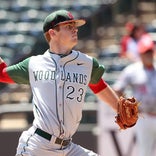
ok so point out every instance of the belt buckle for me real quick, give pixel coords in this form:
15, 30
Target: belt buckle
62, 142
67, 140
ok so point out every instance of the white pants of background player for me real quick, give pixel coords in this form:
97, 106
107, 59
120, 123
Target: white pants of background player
146, 135
31, 144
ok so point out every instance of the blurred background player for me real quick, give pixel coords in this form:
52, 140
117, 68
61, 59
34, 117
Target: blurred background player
125, 38
141, 78
129, 47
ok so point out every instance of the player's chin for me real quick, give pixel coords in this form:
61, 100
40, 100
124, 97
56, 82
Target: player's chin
74, 40
74, 37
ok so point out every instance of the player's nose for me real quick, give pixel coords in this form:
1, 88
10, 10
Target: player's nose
74, 29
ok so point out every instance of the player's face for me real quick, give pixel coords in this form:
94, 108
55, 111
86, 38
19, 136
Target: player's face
67, 34
147, 58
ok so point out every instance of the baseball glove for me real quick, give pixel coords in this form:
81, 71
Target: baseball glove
127, 113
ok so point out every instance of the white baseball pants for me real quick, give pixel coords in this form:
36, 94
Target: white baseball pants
31, 144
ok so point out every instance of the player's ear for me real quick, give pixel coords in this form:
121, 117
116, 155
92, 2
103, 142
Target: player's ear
51, 32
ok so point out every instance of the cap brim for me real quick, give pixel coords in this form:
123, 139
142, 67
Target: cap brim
78, 22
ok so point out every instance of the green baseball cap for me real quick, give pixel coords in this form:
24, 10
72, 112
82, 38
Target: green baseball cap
60, 17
